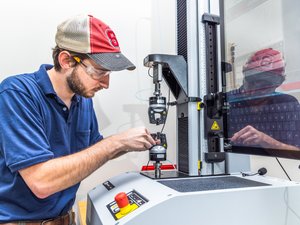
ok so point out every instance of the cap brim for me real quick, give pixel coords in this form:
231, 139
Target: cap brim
112, 61
269, 76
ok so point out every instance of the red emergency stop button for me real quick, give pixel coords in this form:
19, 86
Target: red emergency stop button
121, 199
123, 203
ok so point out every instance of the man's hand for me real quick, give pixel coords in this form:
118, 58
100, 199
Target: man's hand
47, 178
134, 139
249, 136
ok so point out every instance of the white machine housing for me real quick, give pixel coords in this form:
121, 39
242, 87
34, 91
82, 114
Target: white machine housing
276, 204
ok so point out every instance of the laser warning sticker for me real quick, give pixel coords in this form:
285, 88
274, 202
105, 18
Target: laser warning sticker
215, 126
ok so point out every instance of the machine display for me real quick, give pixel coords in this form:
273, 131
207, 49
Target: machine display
262, 89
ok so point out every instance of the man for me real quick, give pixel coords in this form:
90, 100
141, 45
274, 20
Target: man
49, 138
258, 115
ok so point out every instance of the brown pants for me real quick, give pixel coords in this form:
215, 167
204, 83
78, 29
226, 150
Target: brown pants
68, 219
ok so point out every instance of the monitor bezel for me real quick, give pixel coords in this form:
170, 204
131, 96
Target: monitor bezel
249, 150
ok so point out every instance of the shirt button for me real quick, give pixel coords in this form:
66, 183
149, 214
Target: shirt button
65, 108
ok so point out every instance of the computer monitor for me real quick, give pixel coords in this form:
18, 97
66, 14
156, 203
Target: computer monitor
263, 125
263, 85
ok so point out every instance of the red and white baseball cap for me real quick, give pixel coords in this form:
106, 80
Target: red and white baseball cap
89, 35
266, 64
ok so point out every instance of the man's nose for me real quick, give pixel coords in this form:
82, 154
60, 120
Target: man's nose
105, 82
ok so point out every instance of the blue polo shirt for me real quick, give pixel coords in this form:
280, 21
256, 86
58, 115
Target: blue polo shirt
36, 126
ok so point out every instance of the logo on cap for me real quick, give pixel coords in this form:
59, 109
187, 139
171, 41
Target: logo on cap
112, 38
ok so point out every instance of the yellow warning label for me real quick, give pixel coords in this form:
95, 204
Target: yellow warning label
199, 164
215, 126
133, 206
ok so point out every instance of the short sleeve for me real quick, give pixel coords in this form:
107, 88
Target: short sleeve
23, 140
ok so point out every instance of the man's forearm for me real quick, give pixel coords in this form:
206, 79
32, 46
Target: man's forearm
275, 144
288, 147
58, 174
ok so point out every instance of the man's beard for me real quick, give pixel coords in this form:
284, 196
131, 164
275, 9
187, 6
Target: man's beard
76, 85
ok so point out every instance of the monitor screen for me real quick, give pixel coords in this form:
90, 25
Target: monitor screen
263, 85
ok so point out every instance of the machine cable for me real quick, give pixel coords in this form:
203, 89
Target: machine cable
262, 171
149, 72
283, 168
163, 127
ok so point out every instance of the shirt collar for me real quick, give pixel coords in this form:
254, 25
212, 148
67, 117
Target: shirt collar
44, 82
76, 98
43, 79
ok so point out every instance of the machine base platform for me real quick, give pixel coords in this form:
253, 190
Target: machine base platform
226, 200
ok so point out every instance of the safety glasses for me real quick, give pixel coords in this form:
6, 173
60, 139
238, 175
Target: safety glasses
96, 74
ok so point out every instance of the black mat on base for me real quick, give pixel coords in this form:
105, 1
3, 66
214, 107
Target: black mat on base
213, 183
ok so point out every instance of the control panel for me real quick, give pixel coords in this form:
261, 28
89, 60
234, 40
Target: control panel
125, 203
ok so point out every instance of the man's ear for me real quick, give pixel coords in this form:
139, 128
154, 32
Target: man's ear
65, 60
